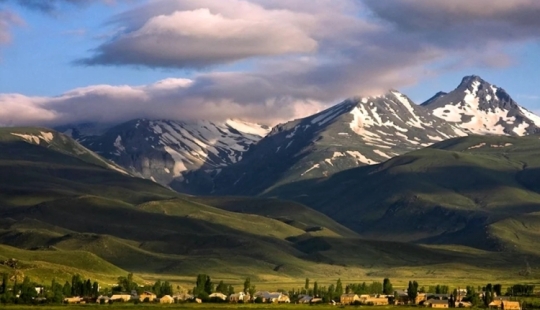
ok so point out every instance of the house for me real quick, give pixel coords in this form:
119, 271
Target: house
218, 295
273, 297
436, 303
282, 298
316, 300
198, 300
183, 297
167, 299
72, 300
505, 304
305, 299
463, 304
121, 297
239, 297
401, 297
147, 296
103, 299
39, 290
347, 299
374, 300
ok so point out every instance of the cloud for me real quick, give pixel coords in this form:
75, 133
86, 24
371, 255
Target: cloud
7, 20
461, 23
166, 99
198, 34
293, 58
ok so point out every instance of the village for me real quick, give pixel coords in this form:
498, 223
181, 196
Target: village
81, 291
399, 298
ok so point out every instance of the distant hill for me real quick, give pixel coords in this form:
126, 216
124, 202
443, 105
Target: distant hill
478, 191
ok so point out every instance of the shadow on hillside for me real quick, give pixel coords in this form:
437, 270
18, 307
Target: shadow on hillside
400, 201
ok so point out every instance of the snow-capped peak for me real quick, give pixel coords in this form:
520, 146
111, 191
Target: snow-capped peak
483, 108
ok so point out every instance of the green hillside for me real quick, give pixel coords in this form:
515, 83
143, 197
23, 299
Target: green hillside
44, 265
468, 191
67, 213
289, 212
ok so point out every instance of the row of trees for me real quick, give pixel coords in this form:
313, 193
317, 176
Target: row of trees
55, 293
128, 285
204, 287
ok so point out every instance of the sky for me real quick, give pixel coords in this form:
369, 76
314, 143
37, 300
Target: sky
266, 61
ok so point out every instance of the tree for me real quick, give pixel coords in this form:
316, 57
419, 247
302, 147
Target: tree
339, 288
315, 288
306, 286
166, 288
488, 295
247, 284
221, 287
203, 286
497, 288
28, 291
55, 294
251, 290
66, 290
3, 288
412, 291
87, 291
127, 284
388, 289
95, 289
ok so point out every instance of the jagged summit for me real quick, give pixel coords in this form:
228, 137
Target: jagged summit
480, 107
358, 131
164, 150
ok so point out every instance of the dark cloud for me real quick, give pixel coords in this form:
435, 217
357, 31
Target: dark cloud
458, 24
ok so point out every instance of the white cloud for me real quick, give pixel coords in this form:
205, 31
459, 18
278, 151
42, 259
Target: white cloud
205, 33
166, 99
301, 55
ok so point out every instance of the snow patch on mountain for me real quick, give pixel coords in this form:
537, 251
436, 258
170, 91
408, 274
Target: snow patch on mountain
361, 158
45, 136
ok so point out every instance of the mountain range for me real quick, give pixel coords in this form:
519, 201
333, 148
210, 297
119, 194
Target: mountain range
204, 157
64, 210
373, 186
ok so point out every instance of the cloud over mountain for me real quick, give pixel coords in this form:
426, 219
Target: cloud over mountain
166, 99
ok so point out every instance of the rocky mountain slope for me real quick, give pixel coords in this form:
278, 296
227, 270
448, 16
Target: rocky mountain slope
360, 131
367, 131
164, 151
230, 158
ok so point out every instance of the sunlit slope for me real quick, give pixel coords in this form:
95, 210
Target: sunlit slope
448, 193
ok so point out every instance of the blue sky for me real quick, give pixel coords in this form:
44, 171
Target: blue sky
261, 60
